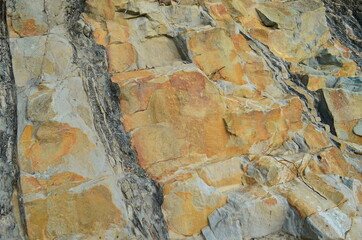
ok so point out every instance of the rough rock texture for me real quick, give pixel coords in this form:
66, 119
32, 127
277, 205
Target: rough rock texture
73, 151
9, 202
213, 119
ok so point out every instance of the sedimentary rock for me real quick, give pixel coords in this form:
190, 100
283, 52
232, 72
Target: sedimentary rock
181, 120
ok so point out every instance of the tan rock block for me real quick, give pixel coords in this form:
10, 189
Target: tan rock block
221, 16
174, 117
157, 52
306, 201
162, 171
257, 126
223, 173
101, 9
29, 19
27, 64
332, 161
254, 67
58, 56
100, 33
270, 171
345, 106
120, 57
219, 12
44, 147
317, 82
118, 29
315, 139
214, 53
32, 184
187, 204
40, 105
65, 214
325, 189
241, 44
349, 69
298, 22
156, 144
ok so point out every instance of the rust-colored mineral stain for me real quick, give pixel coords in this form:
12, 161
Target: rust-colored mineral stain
29, 28
270, 201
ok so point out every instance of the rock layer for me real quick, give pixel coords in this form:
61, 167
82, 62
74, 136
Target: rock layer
185, 120
10, 227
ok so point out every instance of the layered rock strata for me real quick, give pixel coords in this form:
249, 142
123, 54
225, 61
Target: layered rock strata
184, 120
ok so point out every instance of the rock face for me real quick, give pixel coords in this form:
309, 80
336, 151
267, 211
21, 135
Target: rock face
216, 120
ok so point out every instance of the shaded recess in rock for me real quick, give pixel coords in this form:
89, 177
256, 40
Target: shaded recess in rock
324, 112
265, 20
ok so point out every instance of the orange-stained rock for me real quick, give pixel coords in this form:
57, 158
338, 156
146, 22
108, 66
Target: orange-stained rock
101, 9
214, 54
121, 78
65, 214
331, 161
254, 67
121, 57
345, 107
325, 189
315, 139
32, 184
174, 117
221, 16
317, 82
223, 173
269, 171
100, 33
44, 147
29, 19
300, 28
349, 69
118, 29
188, 203
296, 192
257, 126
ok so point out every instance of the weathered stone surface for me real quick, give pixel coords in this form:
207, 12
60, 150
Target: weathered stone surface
247, 215
294, 21
246, 113
11, 222
344, 118
188, 202
215, 54
29, 18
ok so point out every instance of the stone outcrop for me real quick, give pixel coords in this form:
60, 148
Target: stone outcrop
9, 172
216, 120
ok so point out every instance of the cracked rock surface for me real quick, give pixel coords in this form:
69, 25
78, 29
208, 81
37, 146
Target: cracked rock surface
211, 119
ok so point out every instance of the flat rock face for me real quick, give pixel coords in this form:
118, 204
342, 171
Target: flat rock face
247, 114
